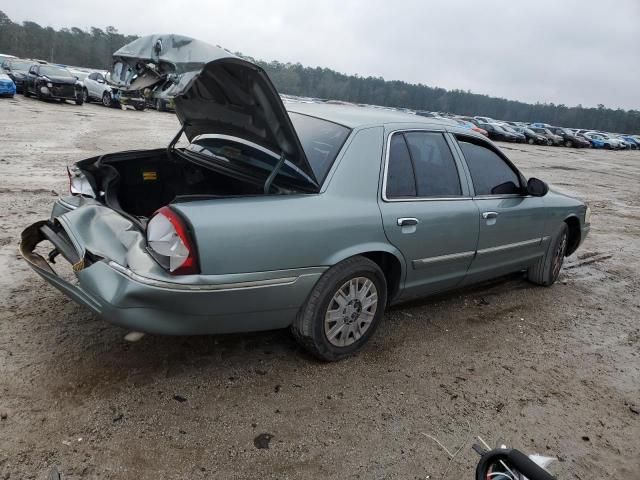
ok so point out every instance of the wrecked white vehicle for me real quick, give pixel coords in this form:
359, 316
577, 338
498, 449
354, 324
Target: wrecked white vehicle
159, 66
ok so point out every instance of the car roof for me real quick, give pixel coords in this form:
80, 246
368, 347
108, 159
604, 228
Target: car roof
355, 116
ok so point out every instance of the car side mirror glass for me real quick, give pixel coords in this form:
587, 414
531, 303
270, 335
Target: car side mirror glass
537, 188
100, 80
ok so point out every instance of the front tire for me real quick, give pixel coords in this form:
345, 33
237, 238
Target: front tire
85, 95
531, 141
107, 101
547, 269
568, 144
343, 310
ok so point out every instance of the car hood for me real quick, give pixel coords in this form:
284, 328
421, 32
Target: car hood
61, 80
214, 91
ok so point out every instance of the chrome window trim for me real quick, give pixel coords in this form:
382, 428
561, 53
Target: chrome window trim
509, 246
423, 262
416, 199
506, 195
220, 287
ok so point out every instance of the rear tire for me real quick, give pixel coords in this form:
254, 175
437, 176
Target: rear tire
161, 105
343, 310
547, 269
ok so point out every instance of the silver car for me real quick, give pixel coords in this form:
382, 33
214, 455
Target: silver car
315, 217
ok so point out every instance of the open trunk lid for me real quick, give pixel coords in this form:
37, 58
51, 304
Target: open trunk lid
215, 92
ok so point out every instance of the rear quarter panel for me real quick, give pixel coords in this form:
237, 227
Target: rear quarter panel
265, 233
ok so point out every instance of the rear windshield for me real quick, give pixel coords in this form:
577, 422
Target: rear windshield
321, 141
229, 150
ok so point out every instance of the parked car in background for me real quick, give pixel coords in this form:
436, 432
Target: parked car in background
520, 137
596, 142
96, 88
633, 142
604, 140
552, 138
496, 132
17, 69
485, 119
7, 87
289, 226
4, 57
470, 126
630, 143
569, 138
52, 82
531, 136
540, 125
616, 143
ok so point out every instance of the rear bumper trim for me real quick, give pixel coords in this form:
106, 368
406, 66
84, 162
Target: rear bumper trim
220, 287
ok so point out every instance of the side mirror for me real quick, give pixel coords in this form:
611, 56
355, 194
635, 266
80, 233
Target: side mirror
100, 80
537, 188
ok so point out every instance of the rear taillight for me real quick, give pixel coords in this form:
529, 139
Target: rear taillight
79, 183
171, 244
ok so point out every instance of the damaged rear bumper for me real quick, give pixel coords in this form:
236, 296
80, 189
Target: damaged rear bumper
207, 305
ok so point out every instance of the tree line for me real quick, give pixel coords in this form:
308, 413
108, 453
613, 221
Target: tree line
93, 48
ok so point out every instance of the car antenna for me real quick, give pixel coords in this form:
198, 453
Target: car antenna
273, 174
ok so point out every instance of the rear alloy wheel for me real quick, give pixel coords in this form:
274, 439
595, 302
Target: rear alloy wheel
343, 310
549, 143
106, 99
547, 269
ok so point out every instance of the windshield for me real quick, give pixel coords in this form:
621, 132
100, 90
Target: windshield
529, 131
508, 129
498, 128
54, 71
19, 65
321, 141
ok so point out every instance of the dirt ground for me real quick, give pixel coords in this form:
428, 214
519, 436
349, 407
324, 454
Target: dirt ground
554, 371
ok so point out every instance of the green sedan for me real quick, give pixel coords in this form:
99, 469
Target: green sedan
313, 217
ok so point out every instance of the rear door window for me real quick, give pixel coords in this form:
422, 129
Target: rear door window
400, 177
490, 174
435, 168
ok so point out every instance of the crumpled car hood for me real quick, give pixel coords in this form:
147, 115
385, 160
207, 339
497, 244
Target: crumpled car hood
214, 91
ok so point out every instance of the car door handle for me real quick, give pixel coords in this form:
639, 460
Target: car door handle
406, 222
487, 215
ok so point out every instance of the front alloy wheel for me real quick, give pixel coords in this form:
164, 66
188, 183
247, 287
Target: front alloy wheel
106, 99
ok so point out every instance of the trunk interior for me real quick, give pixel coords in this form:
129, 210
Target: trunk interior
139, 183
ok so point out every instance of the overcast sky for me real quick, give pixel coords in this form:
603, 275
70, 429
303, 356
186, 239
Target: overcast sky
563, 51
